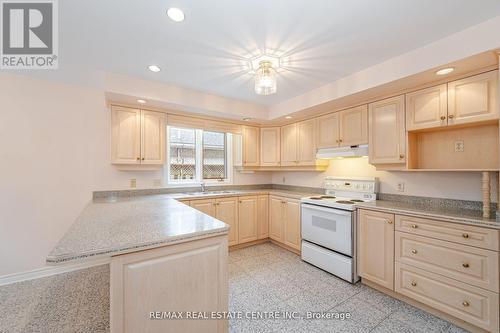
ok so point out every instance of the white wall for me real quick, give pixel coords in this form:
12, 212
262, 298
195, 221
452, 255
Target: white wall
54, 148
453, 185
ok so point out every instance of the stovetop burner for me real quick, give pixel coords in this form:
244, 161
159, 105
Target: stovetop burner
349, 202
315, 198
327, 197
357, 200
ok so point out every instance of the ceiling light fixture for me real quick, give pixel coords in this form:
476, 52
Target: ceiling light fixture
175, 14
154, 68
247, 119
265, 79
288, 117
445, 71
141, 101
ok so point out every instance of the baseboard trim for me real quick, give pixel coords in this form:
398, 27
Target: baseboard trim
252, 243
50, 271
286, 247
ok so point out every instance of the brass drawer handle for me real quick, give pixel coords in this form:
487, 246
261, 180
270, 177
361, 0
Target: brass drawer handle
465, 265
465, 303
443, 117
414, 226
413, 283
465, 235
414, 251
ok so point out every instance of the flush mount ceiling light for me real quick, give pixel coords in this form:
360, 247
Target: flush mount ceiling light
154, 68
288, 117
141, 101
445, 71
265, 78
247, 119
175, 14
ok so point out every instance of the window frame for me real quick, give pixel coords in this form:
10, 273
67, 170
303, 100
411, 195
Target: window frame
228, 138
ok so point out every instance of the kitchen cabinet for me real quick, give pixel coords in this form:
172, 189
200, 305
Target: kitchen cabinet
206, 206
298, 144
353, 126
187, 276
270, 144
473, 99
263, 216
247, 219
137, 136
376, 247
226, 210
284, 221
387, 135
328, 130
251, 146
291, 224
427, 108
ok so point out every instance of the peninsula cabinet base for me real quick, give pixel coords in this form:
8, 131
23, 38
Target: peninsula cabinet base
454, 320
188, 277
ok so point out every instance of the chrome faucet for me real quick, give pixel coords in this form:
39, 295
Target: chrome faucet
202, 185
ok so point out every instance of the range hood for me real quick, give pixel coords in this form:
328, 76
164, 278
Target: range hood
349, 151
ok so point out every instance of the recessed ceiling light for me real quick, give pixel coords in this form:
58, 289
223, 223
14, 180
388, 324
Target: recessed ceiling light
141, 101
288, 117
445, 71
154, 68
175, 14
247, 119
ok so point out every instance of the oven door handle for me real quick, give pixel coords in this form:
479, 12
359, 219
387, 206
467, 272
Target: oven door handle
327, 210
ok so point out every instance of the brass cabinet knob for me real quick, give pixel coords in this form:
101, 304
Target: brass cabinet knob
389, 221
465, 303
413, 283
414, 251
138, 158
414, 226
450, 116
340, 140
465, 235
443, 117
143, 158
401, 156
241, 201
337, 141
465, 265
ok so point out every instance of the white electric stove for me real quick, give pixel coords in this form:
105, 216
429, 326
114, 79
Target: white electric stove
328, 224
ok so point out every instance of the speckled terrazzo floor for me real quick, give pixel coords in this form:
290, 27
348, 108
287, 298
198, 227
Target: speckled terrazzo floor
268, 278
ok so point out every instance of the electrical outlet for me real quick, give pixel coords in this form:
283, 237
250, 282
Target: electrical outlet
459, 146
157, 182
401, 187
133, 183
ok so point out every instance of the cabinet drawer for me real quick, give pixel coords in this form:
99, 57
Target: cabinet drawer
464, 263
474, 305
453, 232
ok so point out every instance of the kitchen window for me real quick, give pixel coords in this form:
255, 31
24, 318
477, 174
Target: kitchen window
196, 156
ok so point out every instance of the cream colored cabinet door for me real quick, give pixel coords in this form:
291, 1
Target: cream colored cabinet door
226, 210
376, 247
473, 99
251, 144
291, 224
289, 145
328, 130
386, 127
276, 218
270, 139
152, 137
353, 126
125, 135
206, 206
247, 219
306, 143
427, 108
263, 216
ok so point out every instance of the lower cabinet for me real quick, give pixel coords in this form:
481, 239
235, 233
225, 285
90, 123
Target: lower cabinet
226, 210
284, 221
206, 206
376, 247
247, 219
263, 216
190, 276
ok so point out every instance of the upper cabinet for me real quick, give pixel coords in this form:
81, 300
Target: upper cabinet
470, 100
387, 138
427, 108
473, 99
138, 136
344, 128
298, 146
270, 138
251, 145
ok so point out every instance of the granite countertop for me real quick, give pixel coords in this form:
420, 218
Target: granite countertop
120, 224
111, 227
455, 215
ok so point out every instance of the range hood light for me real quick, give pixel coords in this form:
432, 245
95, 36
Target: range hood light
342, 152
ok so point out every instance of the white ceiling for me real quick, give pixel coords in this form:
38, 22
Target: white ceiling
321, 40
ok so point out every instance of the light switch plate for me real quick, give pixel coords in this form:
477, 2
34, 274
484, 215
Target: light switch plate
401, 187
459, 146
133, 183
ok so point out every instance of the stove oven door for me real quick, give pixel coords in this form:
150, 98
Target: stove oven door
327, 227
